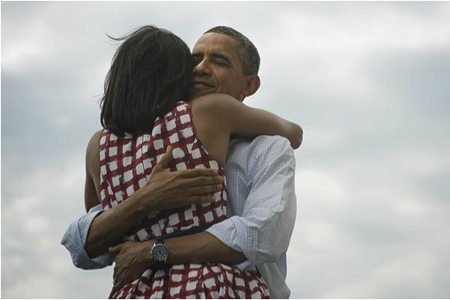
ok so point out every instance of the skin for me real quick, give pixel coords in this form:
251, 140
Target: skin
218, 71
218, 68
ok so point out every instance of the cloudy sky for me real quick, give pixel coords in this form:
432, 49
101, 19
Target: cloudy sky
368, 82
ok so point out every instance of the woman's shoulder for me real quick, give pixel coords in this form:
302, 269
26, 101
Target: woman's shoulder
214, 103
214, 98
94, 142
92, 152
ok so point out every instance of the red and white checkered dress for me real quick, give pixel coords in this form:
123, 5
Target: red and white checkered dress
125, 165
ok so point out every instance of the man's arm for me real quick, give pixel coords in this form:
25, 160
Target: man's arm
262, 228
133, 258
75, 239
259, 232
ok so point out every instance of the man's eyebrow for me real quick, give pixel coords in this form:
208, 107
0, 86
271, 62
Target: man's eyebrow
214, 55
221, 56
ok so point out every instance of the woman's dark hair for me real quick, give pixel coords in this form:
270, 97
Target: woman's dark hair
151, 72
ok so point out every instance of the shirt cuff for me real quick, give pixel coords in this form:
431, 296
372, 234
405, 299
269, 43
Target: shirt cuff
75, 240
226, 232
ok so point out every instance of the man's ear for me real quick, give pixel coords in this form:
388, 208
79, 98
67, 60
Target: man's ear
253, 83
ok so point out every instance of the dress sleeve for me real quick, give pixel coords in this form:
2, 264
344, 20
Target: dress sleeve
264, 230
75, 240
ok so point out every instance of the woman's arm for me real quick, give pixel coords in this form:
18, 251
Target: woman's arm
242, 120
92, 184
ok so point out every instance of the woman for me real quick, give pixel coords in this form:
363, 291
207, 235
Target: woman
144, 111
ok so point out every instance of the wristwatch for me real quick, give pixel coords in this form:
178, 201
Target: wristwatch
159, 252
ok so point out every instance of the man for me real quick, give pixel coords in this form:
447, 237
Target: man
260, 183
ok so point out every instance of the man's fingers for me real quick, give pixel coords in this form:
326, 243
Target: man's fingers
202, 189
164, 161
116, 276
198, 199
200, 181
116, 249
117, 285
114, 290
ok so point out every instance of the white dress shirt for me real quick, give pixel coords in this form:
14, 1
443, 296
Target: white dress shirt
261, 211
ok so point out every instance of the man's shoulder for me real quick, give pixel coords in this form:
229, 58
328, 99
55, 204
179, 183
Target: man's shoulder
260, 147
271, 141
260, 142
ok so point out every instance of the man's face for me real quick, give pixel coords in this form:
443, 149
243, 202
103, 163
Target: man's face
217, 67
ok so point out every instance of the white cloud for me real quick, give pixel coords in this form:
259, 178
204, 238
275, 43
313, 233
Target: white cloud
32, 228
423, 162
412, 271
316, 186
366, 230
317, 138
15, 55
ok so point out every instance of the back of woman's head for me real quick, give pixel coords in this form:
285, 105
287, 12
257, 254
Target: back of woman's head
150, 73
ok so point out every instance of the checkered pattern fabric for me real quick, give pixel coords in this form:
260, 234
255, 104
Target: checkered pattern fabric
126, 163
195, 281
125, 166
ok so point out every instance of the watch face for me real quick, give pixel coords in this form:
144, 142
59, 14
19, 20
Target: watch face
160, 252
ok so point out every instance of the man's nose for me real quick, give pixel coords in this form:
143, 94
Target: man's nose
202, 68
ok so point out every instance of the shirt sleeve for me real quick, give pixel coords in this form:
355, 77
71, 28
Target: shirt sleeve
75, 240
264, 230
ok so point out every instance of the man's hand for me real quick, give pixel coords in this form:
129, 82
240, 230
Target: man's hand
132, 259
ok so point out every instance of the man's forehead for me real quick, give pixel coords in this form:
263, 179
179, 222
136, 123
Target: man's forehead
212, 42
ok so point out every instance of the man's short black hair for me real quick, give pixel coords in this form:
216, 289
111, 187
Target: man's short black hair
249, 54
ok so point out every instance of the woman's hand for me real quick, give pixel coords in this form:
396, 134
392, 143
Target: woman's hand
132, 259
